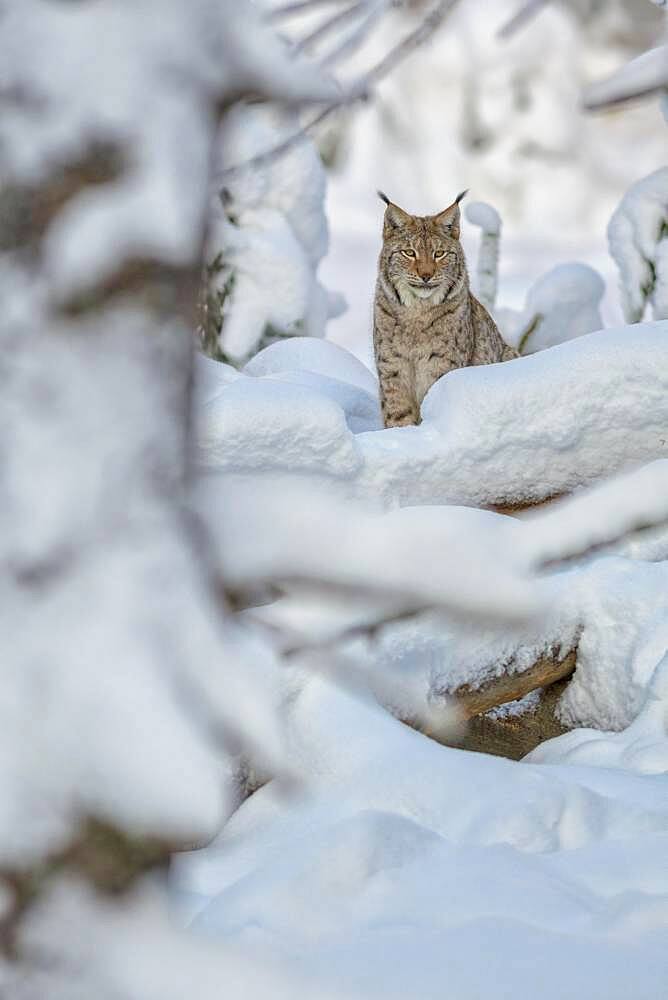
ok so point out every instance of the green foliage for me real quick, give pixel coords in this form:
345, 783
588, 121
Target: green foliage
217, 287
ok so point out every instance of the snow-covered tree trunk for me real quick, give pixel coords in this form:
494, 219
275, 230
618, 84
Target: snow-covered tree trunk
487, 271
122, 674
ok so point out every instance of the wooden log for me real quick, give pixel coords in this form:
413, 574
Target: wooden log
510, 736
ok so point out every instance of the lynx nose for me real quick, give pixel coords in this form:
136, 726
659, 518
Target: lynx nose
426, 278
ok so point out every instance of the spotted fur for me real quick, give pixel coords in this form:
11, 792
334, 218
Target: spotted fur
426, 321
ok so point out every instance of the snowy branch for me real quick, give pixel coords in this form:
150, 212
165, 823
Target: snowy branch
298, 7
331, 24
359, 91
643, 77
525, 13
575, 529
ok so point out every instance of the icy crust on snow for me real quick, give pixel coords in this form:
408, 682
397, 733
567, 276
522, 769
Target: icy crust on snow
499, 434
391, 873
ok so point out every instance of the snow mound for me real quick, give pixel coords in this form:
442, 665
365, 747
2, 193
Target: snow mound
564, 303
353, 879
531, 428
641, 747
510, 433
211, 377
263, 425
361, 408
310, 355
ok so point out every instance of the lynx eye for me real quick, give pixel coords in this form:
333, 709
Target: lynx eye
408, 253
439, 254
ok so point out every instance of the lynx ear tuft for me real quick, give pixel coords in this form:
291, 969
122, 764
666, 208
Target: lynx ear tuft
394, 216
449, 218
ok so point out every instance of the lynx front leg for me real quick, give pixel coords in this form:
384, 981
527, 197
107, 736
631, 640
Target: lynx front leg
429, 370
397, 398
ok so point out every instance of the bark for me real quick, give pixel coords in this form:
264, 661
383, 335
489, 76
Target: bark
510, 736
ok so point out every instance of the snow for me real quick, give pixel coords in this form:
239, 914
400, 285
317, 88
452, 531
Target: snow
154, 208
642, 747
647, 74
488, 219
515, 709
638, 242
612, 611
522, 431
479, 213
353, 548
405, 859
371, 861
348, 545
272, 232
321, 357
561, 305
630, 502
396, 866
258, 425
211, 377
512, 130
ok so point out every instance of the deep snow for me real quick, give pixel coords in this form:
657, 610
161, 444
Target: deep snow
395, 865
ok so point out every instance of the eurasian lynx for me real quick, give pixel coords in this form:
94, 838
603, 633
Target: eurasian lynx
426, 322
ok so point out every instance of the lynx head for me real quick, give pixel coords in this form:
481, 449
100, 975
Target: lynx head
422, 258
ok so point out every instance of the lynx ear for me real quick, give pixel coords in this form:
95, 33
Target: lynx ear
449, 218
394, 216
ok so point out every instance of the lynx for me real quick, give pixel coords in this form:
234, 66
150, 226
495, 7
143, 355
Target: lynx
426, 321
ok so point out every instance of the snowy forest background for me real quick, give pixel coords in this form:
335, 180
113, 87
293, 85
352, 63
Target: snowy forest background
250, 638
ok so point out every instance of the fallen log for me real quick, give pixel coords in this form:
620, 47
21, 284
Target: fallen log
476, 727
